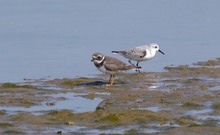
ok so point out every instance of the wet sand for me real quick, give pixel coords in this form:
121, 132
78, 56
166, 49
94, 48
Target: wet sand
181, 100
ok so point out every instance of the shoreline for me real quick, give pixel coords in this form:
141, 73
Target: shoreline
183, 98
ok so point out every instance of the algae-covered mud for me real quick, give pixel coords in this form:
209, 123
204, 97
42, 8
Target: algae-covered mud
181, 100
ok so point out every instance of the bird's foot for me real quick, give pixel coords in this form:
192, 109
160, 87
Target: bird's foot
108, 85
138, 70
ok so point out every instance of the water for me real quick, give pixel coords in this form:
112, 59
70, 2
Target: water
90, 131
205, 113
53, 38
72, 102
153, 108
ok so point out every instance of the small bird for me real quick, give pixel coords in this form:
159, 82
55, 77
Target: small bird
140, 53
110, 65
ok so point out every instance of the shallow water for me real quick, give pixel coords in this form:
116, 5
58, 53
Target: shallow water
44, 38
171, 102
72, 102
85, 130
205, 113
153, 108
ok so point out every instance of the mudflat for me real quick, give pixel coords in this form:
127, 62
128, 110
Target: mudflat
181, 100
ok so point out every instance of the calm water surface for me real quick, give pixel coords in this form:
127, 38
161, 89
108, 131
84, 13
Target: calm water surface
55, 39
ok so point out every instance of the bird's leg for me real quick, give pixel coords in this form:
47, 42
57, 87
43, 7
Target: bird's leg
111, 80
131, 63
138, 70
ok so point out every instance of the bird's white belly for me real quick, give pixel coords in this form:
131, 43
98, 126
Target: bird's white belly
148, 56
139, 58
103, 70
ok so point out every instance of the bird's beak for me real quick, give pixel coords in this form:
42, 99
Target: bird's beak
161, 52
92, 60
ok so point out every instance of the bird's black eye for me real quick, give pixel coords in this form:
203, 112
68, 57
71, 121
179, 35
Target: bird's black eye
99, 57
156, 47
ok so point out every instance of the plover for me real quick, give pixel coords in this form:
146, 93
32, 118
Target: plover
110, 65
140, 53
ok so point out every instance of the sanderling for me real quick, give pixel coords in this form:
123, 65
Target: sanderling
140, 53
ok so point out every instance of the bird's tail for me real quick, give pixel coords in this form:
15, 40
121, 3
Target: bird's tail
134, 67
115, 51
119, 52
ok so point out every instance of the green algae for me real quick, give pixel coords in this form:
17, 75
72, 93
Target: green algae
12, 85
5, 125
132, 132
178, 68
195, 125
183, 121
17, 99
21, 95
70, 83
191, 105
26, 102
112, 118
214, 62
9, 85
216, 105
63, 114
118, 117
2, 112
14, 132
30, 119
206, 124
186, 71
138, 116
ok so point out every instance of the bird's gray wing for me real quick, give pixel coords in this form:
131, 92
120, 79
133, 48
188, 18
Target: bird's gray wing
113, 64
137, 52
111, 67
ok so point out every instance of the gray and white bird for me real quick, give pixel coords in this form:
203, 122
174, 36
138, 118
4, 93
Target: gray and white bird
140, 53
110, 65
